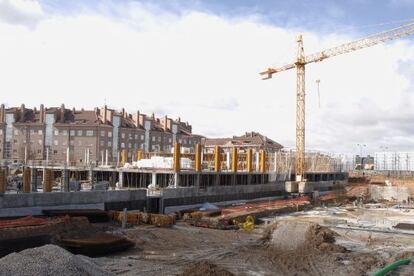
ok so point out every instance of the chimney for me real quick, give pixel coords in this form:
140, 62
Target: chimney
123, 112
153, 116
179, 120
42, 114
62, 113
2, 111
141, 119
165, 127
136, 119
22, 112
105, 114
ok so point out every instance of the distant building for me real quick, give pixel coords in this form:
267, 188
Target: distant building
62, 134
253, 140
364, 162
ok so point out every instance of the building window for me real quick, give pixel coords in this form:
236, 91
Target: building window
169, 140
56, 132
153, 138
129, 145
135, 146
122, 145
56, 142
136, 136
40, 142
189, 142
142, 137
159, 139
102, 133
102, 143
64, 132
40, 132
16, 132
89, 133
72, 133
1, 132
109, 144
72, 143
39, 151
109, 133
55, 152
80, 132
130, 136
32, 131
123, 135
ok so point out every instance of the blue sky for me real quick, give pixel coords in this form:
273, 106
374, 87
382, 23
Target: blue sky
355, 16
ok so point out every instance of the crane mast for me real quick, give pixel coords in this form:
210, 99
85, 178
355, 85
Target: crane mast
300, 112
302, 60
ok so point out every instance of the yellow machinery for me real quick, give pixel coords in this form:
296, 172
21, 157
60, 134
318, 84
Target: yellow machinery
300, 63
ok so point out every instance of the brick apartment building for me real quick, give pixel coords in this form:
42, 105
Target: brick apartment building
60, 134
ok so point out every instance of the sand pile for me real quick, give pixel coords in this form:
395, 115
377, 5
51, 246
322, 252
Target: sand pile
49, 260
298, 235
204, 268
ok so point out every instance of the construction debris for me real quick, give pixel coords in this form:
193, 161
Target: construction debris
49, 260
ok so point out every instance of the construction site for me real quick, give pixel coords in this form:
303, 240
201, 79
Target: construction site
104, 192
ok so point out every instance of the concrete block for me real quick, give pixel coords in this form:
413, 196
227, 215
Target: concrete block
291, 186
305, 187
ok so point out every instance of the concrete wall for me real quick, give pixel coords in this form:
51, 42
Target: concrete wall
191, 195
70, 198
398, 194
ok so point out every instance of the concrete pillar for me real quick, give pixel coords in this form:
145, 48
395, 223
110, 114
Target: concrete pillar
234, 160
249, 160
68, 156
106, 157
26, 180
33, 180
65, 180
154, 179
217, 159
262, 161
121, 179
177, 158
3, 181
90, 176
198, 158
257, 161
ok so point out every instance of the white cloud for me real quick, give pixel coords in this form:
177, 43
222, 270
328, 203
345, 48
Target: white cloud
22, 12
204, 68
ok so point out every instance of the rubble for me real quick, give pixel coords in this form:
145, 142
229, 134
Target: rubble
49, 260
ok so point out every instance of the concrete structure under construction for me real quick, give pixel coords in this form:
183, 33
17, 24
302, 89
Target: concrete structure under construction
156, 190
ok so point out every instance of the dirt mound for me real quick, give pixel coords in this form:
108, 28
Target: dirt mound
204, 268
298, 235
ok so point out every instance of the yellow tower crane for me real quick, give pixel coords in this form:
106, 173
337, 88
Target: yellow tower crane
302, 60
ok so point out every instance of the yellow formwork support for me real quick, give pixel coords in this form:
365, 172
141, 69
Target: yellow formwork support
48, 178
262, 161
3, 181
26, 180
198, 158
177, 158
217, 159
139, 155
234, 160
124, 157
249, 160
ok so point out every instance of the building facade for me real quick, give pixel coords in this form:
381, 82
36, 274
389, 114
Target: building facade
83, 136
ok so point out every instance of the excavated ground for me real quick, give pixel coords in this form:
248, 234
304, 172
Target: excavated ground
186, 250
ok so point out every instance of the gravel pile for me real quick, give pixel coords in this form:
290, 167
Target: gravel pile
49, 260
